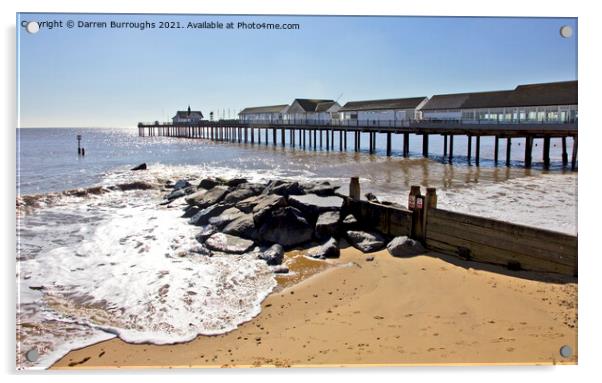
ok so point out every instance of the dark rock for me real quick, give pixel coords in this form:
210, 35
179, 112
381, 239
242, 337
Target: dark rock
203, 216
329, 249
273, 256
201, 250
243, 226
312, 205
240, 194
236, 182
370, 258
190, 211
227, 243
350, 222
206, 232
181, 184
226, 217
280, 270
286, 226
321, 189
265, 205
405, 247
286, 189
179, 193
208, 184
371, 197
194, 198
366, 242
142, 166
328, 224
135, 185
210, 197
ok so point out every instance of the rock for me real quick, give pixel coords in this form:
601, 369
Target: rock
190, 211
286, 189
286, 226
227, 243
350, 222
206, 232
273, 256
135, 185
329, 249
321, 189
208, 184
243, 226
181, 184
404, 247
328, 224
311, 204
370, 258
240, 194
196, 197
280, 270
201, 250
366, 242
236, 182
265, 205
225, 217
371, 197
142, 166
203, 216
178, 193
210, 197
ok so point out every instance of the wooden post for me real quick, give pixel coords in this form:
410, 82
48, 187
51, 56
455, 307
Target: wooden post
574, 156
283, 136
528, 151
416, 205
429, 203
406, 145
478, 150
340, 140
327, 141
565, 156
496, 150
388, 144
354, 188
508, 150
451, 148
345, 140
444, 145
357, 144
546, 152
469, 151
332, 138
315, 138
425, 145
252, 135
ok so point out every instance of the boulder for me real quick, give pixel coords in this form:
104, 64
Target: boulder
190, 211
273, 255
227, 216
364, 241
178, 193
328, 224
243, 226
196, 197
265, 205
240, 194
286, 189
312, 205
236, 181
206, 232
181, 184
286, 226
280, 270
201, 250
208, 184
227, 243
329, 249
203, 216
321, 189
350, 222
142, 166
211, 197
404, 247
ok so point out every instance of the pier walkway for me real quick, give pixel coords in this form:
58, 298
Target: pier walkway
313, 134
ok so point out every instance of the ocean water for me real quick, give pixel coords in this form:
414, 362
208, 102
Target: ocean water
92, 267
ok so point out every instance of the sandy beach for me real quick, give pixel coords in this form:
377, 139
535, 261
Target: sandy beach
428, 309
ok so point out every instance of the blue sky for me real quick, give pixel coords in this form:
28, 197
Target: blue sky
117, 77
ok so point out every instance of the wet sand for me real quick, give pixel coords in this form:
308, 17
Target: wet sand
428, 309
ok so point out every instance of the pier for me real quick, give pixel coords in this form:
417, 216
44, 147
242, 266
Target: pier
311, 135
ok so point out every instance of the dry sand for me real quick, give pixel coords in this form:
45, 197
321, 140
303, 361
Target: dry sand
428, 309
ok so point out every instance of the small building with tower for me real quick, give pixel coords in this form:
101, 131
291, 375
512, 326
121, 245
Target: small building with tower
187, 116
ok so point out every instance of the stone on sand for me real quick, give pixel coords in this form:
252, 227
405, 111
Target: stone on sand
365, 242
227, 243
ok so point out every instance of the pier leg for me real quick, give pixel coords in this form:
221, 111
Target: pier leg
274, 136
345, 140
469, 151
340, 140
496, 149
451, 148
528, 151
508, 150
252, 135
303, 131
546, 152
425, 145
370, 144
321, 138
406, 145
356, 143
478, 151
246, 135
389, 144
327, 140
316, 138
283, 137
291, 138
444, 145
565, 156
574, 156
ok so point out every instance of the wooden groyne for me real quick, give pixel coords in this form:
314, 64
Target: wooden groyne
312, 135
517, 247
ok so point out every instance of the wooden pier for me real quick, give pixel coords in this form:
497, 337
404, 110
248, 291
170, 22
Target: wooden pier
311, 135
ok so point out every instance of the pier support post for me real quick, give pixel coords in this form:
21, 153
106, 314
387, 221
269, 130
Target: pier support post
528, 151
388, 144
340, 140
565, 156
354, 188
508, 150
451, 148
316, 138
425, 145
496, 150
469, 151
345, 140
370, 144
274, 136
283, 136
546, 152
356, 141
406, 145
321, 139
574, 156
444, 145
252, 135
478, 151
327, 140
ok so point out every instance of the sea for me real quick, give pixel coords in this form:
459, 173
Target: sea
95, 266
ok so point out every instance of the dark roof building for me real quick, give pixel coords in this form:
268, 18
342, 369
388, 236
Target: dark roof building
388, 104
314, 105
264, 109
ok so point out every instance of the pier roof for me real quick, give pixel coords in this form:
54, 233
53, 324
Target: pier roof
314, 105
393, 103
554, 93
264, 109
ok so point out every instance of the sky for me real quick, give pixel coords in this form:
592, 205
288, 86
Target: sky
116, 77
